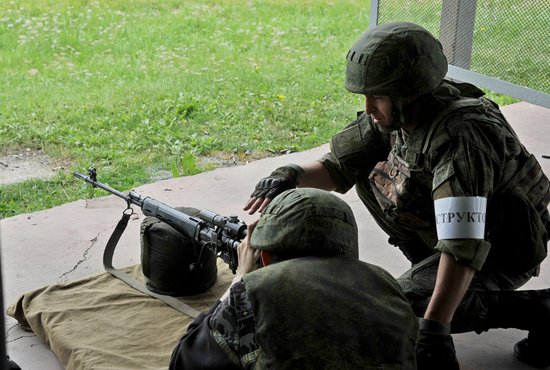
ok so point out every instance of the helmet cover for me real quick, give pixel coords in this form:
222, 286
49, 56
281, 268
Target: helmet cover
307, 221
400, 60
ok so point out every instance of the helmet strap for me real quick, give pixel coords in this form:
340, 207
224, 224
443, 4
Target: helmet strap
404, 110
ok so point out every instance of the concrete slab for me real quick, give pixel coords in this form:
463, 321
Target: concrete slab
66, 242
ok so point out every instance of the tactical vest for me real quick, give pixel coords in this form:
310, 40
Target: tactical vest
330, 313
401, 183
518, 221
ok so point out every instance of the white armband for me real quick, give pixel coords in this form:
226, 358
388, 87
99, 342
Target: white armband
460, 217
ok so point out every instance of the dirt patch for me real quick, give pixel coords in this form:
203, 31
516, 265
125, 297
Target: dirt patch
26, 164
215, 160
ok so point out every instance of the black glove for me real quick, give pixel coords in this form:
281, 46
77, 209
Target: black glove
283, 178
435, 349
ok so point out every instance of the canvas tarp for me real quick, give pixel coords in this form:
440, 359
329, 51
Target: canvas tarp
99, 322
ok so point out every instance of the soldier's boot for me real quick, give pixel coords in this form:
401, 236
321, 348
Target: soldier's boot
525, 310
533, 351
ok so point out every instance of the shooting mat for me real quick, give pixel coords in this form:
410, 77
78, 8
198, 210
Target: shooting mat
99, 322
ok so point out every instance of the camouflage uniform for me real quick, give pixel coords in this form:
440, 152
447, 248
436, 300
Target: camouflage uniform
467, 151
348, 299
316, 307
440, 146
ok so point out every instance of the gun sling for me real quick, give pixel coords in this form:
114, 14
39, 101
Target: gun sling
108, 265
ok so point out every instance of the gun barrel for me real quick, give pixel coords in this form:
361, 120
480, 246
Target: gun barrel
98, 184
221, 234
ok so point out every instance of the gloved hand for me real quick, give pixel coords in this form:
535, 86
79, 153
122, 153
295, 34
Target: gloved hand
283, 178
435, 349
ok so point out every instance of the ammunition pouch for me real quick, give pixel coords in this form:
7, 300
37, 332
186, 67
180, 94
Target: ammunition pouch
400, 200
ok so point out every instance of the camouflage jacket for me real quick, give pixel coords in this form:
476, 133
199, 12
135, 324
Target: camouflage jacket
306, 313
320, 313
469, 150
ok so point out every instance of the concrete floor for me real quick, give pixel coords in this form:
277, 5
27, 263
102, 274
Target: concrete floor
66, 242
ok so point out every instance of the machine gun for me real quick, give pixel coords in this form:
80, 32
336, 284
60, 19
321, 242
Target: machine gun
220, 234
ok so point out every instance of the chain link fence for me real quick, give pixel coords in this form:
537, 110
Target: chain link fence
504, 39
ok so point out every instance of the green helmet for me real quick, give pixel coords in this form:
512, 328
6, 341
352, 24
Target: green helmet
400, 60
307, 221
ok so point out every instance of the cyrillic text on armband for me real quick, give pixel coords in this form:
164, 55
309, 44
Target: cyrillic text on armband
460, 217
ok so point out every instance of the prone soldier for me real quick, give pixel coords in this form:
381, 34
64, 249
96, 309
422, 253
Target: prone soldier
313, 304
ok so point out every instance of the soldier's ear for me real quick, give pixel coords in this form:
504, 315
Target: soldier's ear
266, 257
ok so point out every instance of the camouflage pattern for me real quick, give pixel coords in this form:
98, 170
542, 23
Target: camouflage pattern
400, 60
353, 154
307, 221
233, 327
474, 311
473, 152
324, 311
330, 313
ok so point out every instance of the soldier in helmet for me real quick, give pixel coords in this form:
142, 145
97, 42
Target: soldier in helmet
313, 304
445, 176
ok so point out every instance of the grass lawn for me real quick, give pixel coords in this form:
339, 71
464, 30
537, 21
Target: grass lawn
147, 89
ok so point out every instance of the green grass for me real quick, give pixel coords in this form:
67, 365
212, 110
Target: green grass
510, 40
143, 88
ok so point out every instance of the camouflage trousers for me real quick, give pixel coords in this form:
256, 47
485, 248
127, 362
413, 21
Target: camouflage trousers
473, 312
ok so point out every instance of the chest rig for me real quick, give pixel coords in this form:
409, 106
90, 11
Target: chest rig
402, 183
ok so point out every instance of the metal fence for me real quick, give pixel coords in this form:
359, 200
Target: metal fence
501, 45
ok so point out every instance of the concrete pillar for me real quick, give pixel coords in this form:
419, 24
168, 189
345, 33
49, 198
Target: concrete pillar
457, 31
